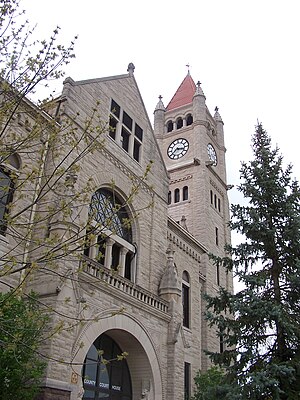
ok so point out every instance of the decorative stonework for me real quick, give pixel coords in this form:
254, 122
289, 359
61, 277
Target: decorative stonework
185, 178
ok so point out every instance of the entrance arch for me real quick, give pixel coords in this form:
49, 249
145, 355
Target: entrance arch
131, 337
105, 374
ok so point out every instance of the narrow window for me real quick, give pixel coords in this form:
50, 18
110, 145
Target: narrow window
6, 194
218, 275
125, 139
127, 121
211, 197
187, 381
169, 126
221, 343
186, 299
136, 150
115, 108
185, 193
189, 119
217, 236
176, 196
138, 131
215, 198
219, 205
129, 257
179, 123
112, 127
169, 197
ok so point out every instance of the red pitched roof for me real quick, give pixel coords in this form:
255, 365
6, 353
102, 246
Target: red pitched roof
184, 94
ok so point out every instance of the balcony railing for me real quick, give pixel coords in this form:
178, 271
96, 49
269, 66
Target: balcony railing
112, 278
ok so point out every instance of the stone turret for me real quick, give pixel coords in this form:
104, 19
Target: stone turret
159, 117
169, 287
219, 124
199, 106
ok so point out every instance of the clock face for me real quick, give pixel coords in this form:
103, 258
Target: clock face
178, 148
212, 154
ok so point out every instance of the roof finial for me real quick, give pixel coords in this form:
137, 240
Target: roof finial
130, 69
199, 91
217, 116
188, 67
160, 104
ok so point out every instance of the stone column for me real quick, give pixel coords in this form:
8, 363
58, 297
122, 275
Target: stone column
108, 252
123, 253
93, 248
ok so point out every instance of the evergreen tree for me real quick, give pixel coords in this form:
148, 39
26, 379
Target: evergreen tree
260, 325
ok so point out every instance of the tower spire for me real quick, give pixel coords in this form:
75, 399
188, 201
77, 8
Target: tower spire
188, 67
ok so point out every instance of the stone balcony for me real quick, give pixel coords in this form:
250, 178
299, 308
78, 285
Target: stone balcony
114, 281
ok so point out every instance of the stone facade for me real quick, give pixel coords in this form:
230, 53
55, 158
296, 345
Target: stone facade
142, 312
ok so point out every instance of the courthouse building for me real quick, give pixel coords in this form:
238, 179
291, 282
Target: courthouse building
137, 287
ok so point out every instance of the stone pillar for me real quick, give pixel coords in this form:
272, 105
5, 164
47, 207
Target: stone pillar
123, 253
93, 248
108, 252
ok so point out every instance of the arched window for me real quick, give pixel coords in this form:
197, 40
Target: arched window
109, 237
185, 193
189, 119
106, 380
6, 195
10, 164
179, 123
176, 196
169, 126
186, 299
169, 197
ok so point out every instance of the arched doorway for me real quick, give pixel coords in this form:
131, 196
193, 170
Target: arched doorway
104, 375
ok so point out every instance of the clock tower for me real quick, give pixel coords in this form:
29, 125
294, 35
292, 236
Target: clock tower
191, 140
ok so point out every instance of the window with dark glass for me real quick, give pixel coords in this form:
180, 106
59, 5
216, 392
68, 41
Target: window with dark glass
109, 236
6, 194
138, 131
127, 121
176, 195
215, 198
136, 150
112, 127
186, 299
217, 236
107, 209
185, 193
179, 123
169, 197
219, 205
189, 119
125, 139
169, 126
211, 197
221, 343
187, 381
128, 134
115, 108
106, 380
218, 274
